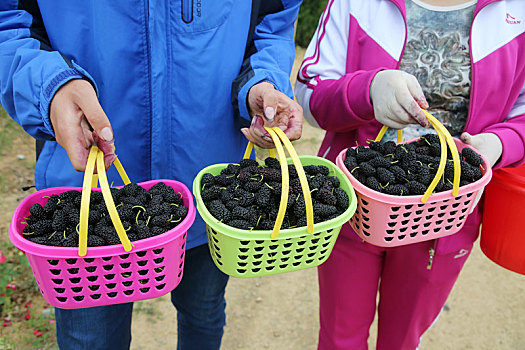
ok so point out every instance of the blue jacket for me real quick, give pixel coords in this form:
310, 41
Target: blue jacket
172, 76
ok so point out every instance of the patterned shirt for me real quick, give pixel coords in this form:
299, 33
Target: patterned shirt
437, 54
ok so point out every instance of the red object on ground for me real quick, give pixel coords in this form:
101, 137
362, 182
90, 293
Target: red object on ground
503, 226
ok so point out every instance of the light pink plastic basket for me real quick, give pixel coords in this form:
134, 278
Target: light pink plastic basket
388, 221
106, 275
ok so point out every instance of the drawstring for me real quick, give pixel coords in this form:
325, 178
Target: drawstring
431, 253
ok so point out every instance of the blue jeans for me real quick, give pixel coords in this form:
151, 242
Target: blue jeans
200, 303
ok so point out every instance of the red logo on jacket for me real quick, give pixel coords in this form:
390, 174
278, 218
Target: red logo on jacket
511, 20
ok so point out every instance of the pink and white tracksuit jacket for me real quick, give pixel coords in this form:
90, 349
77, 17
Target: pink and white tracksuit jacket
354, 40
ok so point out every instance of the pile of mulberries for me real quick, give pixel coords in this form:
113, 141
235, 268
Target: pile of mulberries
408, 169
247, 195
144, 213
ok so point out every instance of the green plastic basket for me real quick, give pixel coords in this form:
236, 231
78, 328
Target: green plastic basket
242, 253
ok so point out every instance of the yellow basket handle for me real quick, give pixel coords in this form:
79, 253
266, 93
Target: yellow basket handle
440, 170
120, 170
453, 149
383, 131
444, 139
285, 184
249, 149
302, 178
90, 179
279, 136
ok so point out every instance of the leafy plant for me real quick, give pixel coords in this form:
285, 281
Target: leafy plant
12, 265
36, 324
6, 344
41, 334
307, 21
24, 322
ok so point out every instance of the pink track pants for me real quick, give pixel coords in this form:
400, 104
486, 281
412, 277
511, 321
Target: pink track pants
411, 296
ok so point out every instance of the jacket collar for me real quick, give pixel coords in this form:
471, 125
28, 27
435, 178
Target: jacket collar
401, 5
480, 4
483, 3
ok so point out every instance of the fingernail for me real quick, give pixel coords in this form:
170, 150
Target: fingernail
422, 119
269, 113
111, 158
267, 138
106, 134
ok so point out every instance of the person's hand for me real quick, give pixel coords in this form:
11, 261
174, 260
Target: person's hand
398, 99
488, 144
270, 107
490, 147
79, 121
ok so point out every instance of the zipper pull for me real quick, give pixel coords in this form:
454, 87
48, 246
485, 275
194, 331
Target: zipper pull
431, 253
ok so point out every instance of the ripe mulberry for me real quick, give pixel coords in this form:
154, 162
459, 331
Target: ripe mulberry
380, 161
385, 176
248, 162
415, 188
471, 157
342, 199
397, 190
373, 183
272, 163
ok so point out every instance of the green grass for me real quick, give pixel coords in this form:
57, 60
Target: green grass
15, 270
6, 344
8, 131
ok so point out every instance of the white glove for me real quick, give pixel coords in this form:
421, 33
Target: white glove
490, 147
398, 98
488, 144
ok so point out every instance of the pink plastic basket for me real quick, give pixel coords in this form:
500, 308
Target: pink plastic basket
388, 221
106, 275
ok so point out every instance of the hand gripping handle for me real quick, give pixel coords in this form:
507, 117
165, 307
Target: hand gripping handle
90, 180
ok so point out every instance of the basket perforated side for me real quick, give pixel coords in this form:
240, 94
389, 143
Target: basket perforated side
389, 221
251, 258
409, 223
242, 253
88, 282
106, 275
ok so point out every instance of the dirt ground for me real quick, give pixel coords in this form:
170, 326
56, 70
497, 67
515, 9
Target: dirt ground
486, 309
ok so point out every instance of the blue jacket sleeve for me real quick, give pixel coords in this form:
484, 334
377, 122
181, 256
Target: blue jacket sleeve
30, 70
270, 50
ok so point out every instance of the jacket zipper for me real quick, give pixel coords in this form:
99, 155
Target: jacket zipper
431, 253
150, 104
186, 11
471, 62
398, 63
470, 103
